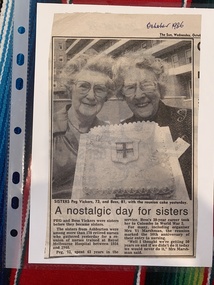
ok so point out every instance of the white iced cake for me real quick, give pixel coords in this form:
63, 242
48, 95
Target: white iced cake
126, 161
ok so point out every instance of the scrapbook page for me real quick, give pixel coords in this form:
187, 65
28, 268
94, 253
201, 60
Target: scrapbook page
120, 137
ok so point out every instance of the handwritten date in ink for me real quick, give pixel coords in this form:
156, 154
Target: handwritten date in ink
175, 25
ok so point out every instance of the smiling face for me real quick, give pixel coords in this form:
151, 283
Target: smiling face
141, 92
89, 93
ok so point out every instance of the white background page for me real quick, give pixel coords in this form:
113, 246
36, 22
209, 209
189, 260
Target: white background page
40, 162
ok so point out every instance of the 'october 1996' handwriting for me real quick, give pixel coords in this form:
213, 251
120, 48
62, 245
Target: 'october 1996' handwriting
175, 25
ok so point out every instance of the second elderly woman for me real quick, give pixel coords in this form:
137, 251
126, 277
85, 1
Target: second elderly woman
141, 81
88, 79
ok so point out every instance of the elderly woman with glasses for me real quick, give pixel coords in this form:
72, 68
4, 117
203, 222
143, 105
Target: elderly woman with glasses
88, 79
141, 80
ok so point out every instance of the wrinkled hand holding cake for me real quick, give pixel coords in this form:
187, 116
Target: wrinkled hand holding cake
129, 161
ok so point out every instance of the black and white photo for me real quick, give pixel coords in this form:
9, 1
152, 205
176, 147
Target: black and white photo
107, 82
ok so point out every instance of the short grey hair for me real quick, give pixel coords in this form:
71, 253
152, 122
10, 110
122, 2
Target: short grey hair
139, 60
87, 61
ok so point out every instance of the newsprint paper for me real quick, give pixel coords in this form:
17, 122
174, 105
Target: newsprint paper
127, 188
123, 135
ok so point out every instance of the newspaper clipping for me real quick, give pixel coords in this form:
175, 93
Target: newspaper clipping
123, 137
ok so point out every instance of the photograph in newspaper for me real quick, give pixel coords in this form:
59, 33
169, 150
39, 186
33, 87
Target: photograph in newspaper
123, 161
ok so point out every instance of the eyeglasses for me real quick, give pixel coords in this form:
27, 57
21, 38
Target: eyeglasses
146, 86
83, 87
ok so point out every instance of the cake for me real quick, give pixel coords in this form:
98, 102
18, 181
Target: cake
126, 161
